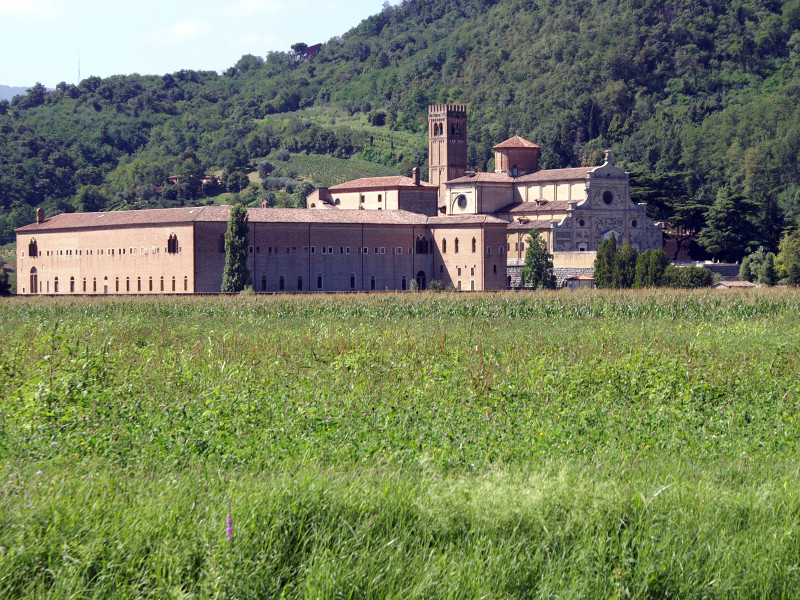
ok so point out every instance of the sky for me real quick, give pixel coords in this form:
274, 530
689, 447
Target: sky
47, 41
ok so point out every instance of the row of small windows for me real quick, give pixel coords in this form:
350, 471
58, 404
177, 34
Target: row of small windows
421, 280
172, 248
44, 287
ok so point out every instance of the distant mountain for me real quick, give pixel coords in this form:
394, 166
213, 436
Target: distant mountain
7, 92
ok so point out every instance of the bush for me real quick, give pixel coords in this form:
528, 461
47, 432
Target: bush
687, 277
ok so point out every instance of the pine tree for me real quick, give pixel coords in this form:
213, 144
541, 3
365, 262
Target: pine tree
745, 272
236, 275
604, 263
538, 269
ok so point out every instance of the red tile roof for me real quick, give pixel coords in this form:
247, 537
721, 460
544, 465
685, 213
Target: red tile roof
394, 181
530, 225
523, 208
515, 142
570, 174
466, 220
121, 218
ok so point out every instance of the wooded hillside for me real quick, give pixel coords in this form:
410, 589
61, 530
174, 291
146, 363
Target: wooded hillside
698, 99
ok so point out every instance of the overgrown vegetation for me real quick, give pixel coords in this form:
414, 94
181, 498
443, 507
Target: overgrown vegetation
697, 99
401, 445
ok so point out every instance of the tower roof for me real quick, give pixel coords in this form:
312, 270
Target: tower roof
515, 142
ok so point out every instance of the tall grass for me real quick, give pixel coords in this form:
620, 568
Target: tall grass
401, 445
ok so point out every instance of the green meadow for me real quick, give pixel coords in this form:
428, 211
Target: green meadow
416, 445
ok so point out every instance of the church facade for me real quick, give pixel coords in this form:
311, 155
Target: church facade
464, 229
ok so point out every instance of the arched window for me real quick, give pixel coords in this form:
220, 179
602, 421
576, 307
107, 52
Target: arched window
444, 246
422, 244
172, 244
319, 281
185, 284
422, 283
222, 243
151, 284
372, 283
281, 283
33, 252
116, 285
474, 245
173, 283
34, 281
162, 283
55, 285
352, 281
263, 283
299, 283
403, 283
456, 246
71, 285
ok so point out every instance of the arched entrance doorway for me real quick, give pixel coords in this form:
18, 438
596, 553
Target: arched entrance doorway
422, 281
34, 280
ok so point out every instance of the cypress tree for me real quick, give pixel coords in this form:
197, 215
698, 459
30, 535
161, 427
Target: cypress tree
236, 275
624, 272
767, 275
5, 287
604, 263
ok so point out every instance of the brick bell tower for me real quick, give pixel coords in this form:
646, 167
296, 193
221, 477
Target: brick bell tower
447, 143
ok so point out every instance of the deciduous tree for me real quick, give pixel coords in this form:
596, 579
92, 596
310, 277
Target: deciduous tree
538, 269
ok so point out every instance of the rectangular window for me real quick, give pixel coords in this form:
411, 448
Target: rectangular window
376, 251
361, 199
459, 271
330, 249
366, 250
251, 249
488, 249
313, 249
287, 250
472, 271
269, 249
501, 249
341, 249
348, 250
324, 250
380, 197
305, 249
294, 249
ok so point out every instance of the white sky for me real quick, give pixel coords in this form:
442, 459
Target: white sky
42, 40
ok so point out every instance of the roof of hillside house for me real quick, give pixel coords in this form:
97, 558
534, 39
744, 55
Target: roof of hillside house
735, 284
515, 142
393, 181
571, 174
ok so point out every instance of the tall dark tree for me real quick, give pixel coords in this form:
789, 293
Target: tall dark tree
236, 274
728, 231
5, 286
538, 270
604, 263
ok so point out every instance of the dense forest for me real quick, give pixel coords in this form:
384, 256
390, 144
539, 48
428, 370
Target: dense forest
698, 99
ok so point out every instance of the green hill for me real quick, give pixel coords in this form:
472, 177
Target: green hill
697, 99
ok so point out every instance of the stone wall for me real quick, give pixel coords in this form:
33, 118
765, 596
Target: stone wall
561, 273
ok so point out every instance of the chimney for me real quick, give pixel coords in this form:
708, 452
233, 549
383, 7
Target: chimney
40, 215
415, 175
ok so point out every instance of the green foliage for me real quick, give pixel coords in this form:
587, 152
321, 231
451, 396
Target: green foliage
604, 263
687, 277
5, 286
236, 275
650, 267
624, 270
745, 270
538, 270
767, 275
789, 257
728, 231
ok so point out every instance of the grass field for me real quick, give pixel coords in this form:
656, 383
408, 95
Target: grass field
547, 445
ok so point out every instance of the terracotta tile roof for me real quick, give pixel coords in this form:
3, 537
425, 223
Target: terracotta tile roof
737, 284
311, 215
522, 208
530, 225
121, 218
465, 220
572, 174
515, 142
557, 175
483, 178
394, 181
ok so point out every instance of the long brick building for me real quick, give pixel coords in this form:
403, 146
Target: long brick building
463, 229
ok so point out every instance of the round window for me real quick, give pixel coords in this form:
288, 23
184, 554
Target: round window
608, 197
634, 223
461, 201
582, 223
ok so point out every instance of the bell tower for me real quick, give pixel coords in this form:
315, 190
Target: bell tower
447, 143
